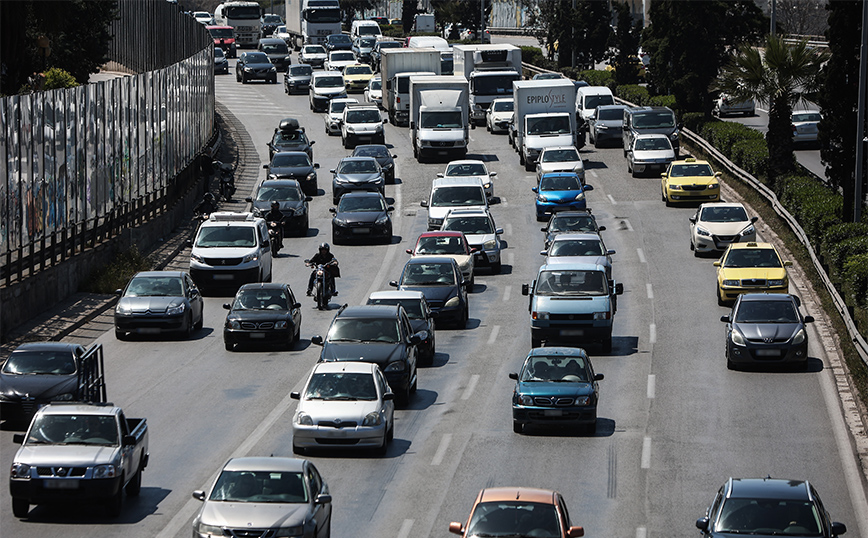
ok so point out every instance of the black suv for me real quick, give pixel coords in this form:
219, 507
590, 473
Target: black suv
379, 334
289, 136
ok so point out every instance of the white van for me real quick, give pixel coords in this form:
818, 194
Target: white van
230, 249
448, 193
429, 41
423, 22
588, 98
364, 28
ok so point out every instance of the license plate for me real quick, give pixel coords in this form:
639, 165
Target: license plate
572, 332
148, 330
257, 335
553, 412
224, 277
361, 230
443, 152
60, 484
768, 352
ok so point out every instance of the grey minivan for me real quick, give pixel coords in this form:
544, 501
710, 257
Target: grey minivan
650, 120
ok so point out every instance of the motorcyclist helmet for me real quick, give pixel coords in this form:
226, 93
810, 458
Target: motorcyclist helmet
324, 246
275, 204
208, 197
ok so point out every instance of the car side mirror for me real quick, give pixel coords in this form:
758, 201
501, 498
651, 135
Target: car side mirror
439, 174
315, 165
525, 289
788, 264
716, 264
838, 528
619, 289
308, 198
295, 395
418, 338
323, 498
119, 292
333, 210
390, 208
754, 219
725, 319
468, 285
809, 319
409, 251
129, 440
602, 228
189, 242
534, 189
199, 495
265, 167
588, 187
576, 532
492, 174
385, 120
702, 524
18, 438
544, 229
692, 219
316, 339
394, 156
513, 375
312, 142
455, 528
393, 283
599, 377
332, 171
543, 252
388, 396
227, 306
248, 199
424, 203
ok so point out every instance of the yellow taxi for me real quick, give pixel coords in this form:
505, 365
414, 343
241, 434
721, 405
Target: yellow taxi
637, 64
357, 76
690, 180
748, 268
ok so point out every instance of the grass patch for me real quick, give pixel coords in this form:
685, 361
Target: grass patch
117, 273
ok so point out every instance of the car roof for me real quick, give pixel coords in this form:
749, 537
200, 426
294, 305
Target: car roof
258, 463
468, 213
722, 204
560, 174
767, 297
612, 107
278, 183
177, 274
431, 259
79, 408
268, 40
573, 213
369, 311
396, 294
457, 181
595, 90
441, 233
362, 194
555, 148
768, 488
537, 495
262, 286
690, 160
466, 161
47, 346
565, 351
503, 99
354, 367
357, 158
372, 146
752, 245
569, 263
573, 236
657, 135
344, 100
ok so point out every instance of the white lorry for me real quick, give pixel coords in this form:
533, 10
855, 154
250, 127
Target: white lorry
244, 17
491, 70
396, 67
544, 117
439, 116
310, 21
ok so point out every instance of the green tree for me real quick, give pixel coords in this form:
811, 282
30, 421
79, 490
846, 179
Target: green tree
579, 27
593, 32
839, 98
354, 9
781, 75
626, 43
689, 40
464, 13
409, 9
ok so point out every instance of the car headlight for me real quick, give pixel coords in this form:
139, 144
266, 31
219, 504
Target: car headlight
340, 222
777, 282
580, 196
372, 419
702, 231
731, 282
124, 308
397, 366
303, 419
583, 400
542, 198
285, 532
525, 399
602, 315
451, 302
674, 136
351, 129
486, 185
311, 176
272, 69
247, 70
382, 220
539, 315
257, 212
737, 338
601, 127
675, 187
712, 186
233, 324
20, 471
252, 257
280, 325
340, 180
800, 337
197, 258
174, 310
209, 529
491, 244
750, 230
104, 471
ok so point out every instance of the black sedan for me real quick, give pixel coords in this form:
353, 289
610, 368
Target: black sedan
262, 313
338, 42
288, 136
361, 215
578, 221
221, 63
766, 329
766, 507
445, 289
292, 200
155, 302
294, 165
255, 66
384, 157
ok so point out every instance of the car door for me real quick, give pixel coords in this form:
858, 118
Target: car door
388, 405
194, 296
322, 513
295, 312
412, 349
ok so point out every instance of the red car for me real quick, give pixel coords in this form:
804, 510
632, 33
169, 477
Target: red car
224, 37
449, 244
513, 511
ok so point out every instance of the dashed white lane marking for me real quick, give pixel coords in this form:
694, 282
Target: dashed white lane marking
641, 254
646, 453
652, 385
652, 333
510, 258
506, 293
641, 532
441, 450
492, 338
611, 199
471, 385
649, 290
507, 228
627, 225
594, 174
405, 528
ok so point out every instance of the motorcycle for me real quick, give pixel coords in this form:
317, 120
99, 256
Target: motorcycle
323, 284
275, 236
227, 180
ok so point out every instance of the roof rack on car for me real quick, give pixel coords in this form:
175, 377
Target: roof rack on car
228, 216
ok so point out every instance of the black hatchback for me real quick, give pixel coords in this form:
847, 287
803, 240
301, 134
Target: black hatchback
578, 221
294, 165
255, 66
338, 42
361, 215
288, 136
384, 157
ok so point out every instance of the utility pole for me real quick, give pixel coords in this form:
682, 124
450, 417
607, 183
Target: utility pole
773, 23
860, 116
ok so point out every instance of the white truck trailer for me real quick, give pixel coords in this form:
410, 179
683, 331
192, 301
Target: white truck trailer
311, 21
244, 17
490, 69
439, 115
544, 117
396, 67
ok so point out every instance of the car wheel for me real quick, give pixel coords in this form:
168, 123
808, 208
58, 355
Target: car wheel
199, 324
535, 342
731, 365
528, 167
228, 345
462, 323
187, 333
335, 240
517, 427
305, 228
403, 399
606, 343
243, 79
390, 435
134, 487
415, 384
496, 268
115, 503
720, 301
520, 156
591, 428
666, 201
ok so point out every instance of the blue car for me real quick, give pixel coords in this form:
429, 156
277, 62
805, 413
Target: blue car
559, 191
556, 386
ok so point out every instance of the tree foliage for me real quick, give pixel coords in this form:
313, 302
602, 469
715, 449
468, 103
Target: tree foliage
689, 40
409, 9
582, 30
463, 13
626, 44
801, 17
353, 9
838, 98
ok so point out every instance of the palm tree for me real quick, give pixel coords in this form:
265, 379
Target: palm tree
782, 75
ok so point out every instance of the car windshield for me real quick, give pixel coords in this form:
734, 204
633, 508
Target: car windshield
338, 38
358, 167
221, 33
329, 82
441, 120
290, 160
653, 120
593, 101
280, 29
577, 247
155, 286
651, 144
371, 151
504, 106
691, 170
723, 214
275, 48
609, 114
469, 225
300, 70
560, 155
363, 116
342, 56
314, 49
359, 204
376, 84
769, 517
322, 14
289, 137
226, 237
428, 274
441, 245
272, 19
514, 518
766, 312
364, 330
810, 116
260, 299
40, 363
260, 487
367, 42
548, 125
571, 282
358, 70
74, 430
458, 196
554, 368
559, 183
337, 107
257, 58
582, 223
493, 85
752, 257
349, 386
283, 193
390, 45
413, 307
466, 169
218, 53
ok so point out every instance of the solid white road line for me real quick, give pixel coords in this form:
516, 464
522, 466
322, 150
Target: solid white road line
641, 254
441, 450
652, 385
506, 291
641, 532
468, 391
510, 258
649, 290
492, 338
646, 453
652, 333
405, 528
611, 199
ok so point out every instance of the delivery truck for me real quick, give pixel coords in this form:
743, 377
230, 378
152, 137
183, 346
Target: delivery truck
544, 117
396, 68
311, 21
439, 114
490, 70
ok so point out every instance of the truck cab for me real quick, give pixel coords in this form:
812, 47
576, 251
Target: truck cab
439, 116
491, 69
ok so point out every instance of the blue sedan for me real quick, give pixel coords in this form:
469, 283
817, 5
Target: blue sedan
556, 386
559, 191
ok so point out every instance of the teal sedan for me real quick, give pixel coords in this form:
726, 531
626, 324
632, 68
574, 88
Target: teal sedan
559, 191
557, 386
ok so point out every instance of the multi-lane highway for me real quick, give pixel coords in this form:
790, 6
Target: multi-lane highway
674, 422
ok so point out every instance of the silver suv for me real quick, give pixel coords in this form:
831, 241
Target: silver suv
482, 235
230, 249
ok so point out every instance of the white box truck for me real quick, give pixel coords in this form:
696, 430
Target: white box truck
491, 69
439, 114
310, 21
244, 18
396, 67
544, 117
423, 22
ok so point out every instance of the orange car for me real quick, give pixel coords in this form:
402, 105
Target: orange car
512, 511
